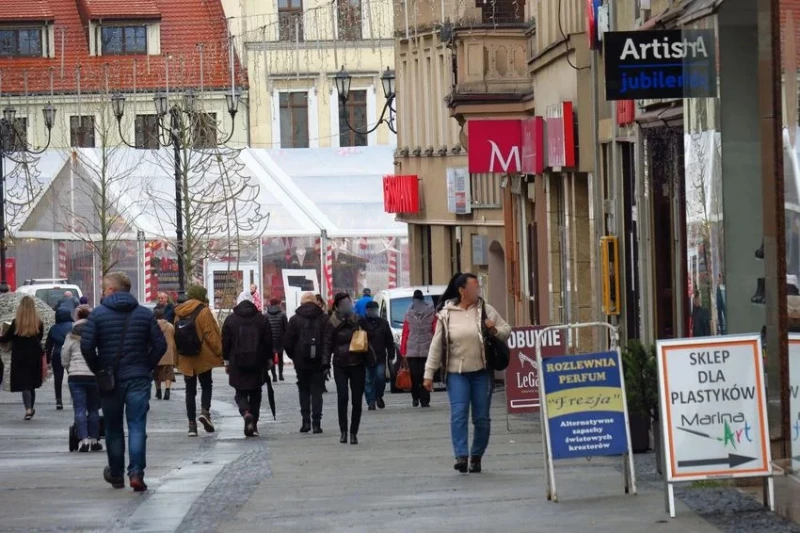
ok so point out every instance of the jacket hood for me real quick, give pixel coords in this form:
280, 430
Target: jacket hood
246, 309
187, 308
337, 320
309, 310
77, 329
63, 315
276, 309
120, 301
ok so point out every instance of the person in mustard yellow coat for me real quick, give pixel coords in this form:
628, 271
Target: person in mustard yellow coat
198, 367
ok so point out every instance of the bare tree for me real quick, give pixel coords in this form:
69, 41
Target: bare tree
23, 186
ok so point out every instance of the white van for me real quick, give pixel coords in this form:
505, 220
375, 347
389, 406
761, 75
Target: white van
50, 291
394, 304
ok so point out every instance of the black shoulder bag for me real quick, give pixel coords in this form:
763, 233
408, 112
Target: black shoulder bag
106, 377
497, 352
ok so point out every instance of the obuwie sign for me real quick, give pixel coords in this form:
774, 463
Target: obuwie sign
642, 65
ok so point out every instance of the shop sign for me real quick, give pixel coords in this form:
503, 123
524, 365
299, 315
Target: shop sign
626, 112
480, 250
522, 373
494, 146
592, 8
560, 136
585, 405
713, 408
533, 145
459, 194
660, 64
11, 273
401, 194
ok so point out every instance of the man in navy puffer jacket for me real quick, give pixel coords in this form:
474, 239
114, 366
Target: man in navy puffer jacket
143, 344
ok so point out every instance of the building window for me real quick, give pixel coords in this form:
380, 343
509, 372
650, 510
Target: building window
290, 20
354, 112
81, 132
146, 132
205, 130
502, 11
119, 40
21, 43
349, 14
294, 120
18, 140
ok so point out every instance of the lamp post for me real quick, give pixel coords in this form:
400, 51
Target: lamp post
343, 80
171, 135
11, 142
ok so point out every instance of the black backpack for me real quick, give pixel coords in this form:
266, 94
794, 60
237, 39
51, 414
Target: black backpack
187, 338
309, 340
247, 354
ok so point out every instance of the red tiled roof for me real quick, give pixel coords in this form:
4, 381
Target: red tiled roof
185, 25
118, 10
26, 10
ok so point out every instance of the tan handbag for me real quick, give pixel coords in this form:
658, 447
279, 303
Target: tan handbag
359, 342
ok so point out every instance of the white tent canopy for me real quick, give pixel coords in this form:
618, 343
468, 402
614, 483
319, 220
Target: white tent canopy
306, 192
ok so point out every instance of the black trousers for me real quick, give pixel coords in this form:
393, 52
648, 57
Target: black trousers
191, 393
417, 367
279, 365
356, 378
310, 385
249, 400
58, 376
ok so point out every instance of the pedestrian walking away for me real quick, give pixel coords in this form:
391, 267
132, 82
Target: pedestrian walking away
360, 307
27, 358
381, 346
304, 345
52, 348
69, 301
166, 306
253, 295
279, 323
122, 345
418, 328
349, 367
165, 371
198, 341
82, 386
458, 351
247, 351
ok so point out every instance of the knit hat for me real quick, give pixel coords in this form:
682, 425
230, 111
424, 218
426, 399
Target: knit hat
84, 300
418, 295
197, 292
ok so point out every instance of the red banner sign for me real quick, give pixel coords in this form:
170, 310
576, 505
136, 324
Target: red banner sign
626, 112
533, 145
560, 136
494, 146
522, 374
401, 194
11, 273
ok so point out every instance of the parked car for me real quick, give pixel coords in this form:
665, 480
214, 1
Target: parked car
49, 291
394, 304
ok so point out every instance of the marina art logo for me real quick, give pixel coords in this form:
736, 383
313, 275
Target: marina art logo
734, 430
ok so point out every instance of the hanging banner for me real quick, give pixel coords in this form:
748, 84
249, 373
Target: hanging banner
586, 411
522, 374
459, 197
713, 408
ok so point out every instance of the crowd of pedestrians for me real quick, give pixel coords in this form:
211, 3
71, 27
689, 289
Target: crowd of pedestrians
113, 353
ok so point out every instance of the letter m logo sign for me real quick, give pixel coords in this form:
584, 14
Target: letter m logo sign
494, 145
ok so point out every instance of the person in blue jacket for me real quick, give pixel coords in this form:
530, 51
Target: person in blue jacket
121, 326
360, 307
52, 348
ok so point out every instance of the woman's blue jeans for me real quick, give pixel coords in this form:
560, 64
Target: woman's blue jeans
471, 389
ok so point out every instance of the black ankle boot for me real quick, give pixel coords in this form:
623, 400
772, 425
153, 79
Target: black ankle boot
760, 296
353, 439
461, 465
317, 428
306, 427
474, 465
343, 440
166, 394
158, 394
760, 251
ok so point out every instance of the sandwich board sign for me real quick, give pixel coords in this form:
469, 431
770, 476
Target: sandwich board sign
522, 374
713, 410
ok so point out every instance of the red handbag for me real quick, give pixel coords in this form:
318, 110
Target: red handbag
403, 380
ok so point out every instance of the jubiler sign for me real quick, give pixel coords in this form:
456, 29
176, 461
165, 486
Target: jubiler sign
641, 65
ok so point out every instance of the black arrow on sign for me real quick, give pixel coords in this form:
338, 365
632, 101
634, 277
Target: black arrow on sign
732, 461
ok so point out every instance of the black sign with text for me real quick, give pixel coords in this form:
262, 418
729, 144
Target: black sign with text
644, 65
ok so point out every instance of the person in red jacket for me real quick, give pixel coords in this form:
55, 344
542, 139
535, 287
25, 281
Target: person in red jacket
418, 328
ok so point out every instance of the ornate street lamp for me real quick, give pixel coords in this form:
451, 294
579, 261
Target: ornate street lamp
343, 81
170, 134
11, 142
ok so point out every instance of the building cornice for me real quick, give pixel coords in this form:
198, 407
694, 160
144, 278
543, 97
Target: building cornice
284, 46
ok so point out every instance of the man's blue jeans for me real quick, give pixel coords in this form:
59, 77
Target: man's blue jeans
465, 390
376, 383
132, 397
86, 404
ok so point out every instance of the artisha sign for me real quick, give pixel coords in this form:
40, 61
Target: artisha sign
660, 64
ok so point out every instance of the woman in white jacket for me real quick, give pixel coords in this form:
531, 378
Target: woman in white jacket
82, 387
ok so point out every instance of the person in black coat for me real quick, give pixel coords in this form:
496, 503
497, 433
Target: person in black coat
25, 335
247, 351
279, 323
381, 345
349, 368
303, 344
52, 348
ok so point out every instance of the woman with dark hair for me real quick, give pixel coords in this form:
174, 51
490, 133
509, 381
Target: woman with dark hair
349, 368
458, 350
450, 293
